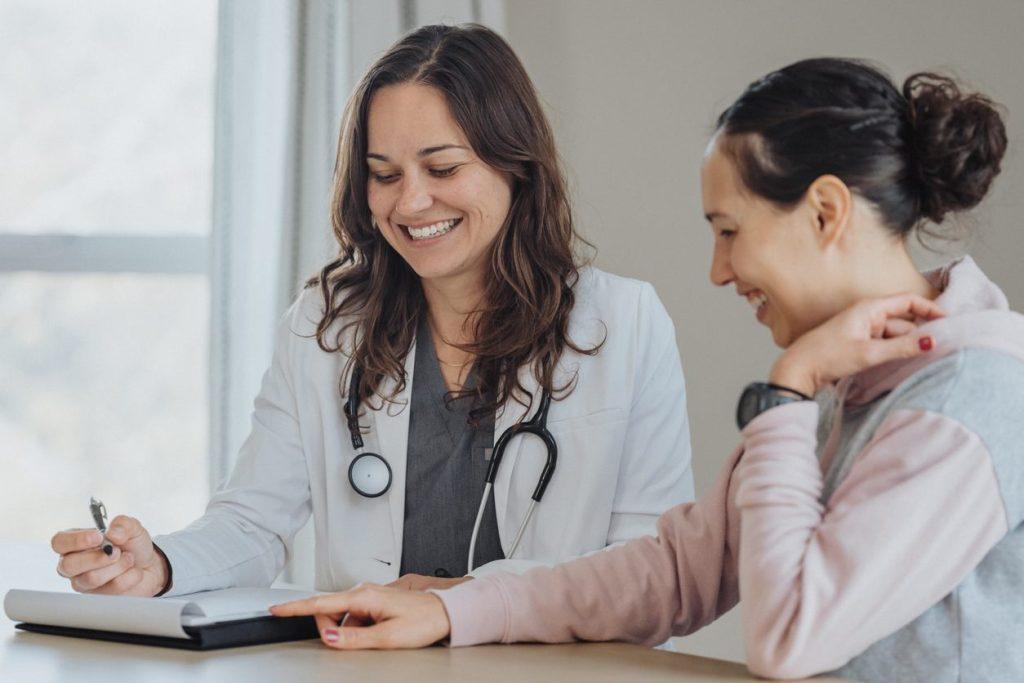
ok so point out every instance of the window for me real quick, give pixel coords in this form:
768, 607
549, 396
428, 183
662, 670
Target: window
106, 157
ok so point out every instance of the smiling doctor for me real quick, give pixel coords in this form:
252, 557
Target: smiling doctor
455, 392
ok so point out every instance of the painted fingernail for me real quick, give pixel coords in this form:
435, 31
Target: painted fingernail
926, 343
331, 635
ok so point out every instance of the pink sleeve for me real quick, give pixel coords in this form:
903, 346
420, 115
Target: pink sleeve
641, 591
918, 511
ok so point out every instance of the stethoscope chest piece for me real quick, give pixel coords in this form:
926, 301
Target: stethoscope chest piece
370, 475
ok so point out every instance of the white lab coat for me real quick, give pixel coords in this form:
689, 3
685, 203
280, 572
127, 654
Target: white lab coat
623, 456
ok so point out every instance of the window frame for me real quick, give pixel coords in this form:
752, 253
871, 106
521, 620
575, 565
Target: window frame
171, 253
110, 250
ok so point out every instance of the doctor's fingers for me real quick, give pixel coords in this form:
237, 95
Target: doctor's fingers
74, 540
128, 583
72, 564
89, 581
129, 533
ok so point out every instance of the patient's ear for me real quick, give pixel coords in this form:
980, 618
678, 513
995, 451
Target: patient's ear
831, 206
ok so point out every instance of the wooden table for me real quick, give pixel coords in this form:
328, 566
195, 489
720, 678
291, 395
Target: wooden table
38, 658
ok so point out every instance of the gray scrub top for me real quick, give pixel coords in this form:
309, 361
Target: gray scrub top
445, 469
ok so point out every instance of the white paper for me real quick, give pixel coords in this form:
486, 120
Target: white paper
231, 604
143, 616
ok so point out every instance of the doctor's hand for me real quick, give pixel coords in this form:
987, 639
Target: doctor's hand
419, 582
136, 567
375, 618
868, 333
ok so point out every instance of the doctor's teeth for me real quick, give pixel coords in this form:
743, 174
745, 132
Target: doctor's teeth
433, 230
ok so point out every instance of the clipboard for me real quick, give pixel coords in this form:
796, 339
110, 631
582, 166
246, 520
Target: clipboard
212, 620
243, 632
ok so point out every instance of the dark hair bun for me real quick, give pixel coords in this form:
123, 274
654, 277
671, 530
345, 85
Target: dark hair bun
958, 141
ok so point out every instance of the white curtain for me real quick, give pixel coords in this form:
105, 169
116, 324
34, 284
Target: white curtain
284, 72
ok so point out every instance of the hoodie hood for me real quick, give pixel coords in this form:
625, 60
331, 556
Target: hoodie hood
977, 316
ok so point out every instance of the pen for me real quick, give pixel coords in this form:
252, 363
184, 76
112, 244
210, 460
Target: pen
99, 516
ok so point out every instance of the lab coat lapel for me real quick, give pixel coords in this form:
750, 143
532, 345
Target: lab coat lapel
512, 414
392, 427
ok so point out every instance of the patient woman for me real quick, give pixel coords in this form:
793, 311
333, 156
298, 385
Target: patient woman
875, 532
458, 304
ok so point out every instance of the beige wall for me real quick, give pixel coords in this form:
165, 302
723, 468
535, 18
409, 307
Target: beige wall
633, 89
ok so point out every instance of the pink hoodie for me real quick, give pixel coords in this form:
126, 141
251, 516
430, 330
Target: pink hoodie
831, 554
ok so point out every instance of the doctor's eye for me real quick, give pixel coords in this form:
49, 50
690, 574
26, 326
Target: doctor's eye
444, 172
726, 234
382, 178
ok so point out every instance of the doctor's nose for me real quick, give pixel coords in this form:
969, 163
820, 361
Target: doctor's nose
415, 197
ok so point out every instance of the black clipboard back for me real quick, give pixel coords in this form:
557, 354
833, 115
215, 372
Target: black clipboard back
255, 631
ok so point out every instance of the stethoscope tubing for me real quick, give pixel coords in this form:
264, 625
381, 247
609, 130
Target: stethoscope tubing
536, 426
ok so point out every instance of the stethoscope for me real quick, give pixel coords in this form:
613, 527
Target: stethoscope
370, 474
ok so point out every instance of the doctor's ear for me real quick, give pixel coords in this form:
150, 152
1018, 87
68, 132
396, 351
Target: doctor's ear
831, 205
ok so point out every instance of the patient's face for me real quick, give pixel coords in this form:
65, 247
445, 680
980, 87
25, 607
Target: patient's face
769, 255
433, 199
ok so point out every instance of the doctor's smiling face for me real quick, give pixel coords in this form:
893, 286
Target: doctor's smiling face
432, 198
770, 255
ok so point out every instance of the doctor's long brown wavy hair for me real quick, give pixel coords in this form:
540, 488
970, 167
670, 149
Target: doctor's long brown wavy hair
523, 317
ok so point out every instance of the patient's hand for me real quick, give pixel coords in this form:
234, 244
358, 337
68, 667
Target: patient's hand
868, 333
419, 582
375, 618
136, 567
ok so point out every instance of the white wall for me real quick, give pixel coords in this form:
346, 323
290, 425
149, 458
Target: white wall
633, 89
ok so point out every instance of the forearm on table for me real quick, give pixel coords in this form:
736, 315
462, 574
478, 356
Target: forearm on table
641, 591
